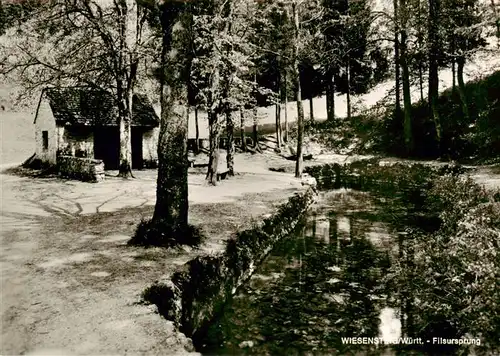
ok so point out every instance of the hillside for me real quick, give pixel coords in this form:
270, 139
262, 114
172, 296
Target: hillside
473, 139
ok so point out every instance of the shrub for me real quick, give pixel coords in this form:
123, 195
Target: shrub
165, 235
456, 276
452, 274
452, 197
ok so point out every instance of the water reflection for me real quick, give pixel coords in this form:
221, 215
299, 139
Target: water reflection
316, 287
390, 325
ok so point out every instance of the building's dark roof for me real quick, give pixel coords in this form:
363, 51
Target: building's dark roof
85, 106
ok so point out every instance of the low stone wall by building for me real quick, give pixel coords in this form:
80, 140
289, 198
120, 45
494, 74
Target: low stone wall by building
84, 169
194, 294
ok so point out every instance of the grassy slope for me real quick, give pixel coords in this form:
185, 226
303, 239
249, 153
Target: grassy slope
476, 138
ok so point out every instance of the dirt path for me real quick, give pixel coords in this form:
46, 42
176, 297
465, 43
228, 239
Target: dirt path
70, 285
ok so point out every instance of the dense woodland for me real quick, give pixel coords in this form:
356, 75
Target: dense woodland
228, 57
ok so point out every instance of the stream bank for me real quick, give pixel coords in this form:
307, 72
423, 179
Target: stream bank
194, 294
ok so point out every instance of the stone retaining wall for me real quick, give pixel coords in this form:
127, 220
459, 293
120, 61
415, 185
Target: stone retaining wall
194, 294
84, 169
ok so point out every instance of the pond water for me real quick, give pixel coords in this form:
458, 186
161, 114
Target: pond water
321, 285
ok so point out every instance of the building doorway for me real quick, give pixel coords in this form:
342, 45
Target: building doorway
136, 141
107, 146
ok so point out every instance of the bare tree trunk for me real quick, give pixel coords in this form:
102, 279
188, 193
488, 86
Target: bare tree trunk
421, 82
407, 123
420, 46
197, 139
256, 121
219, 88
453, 75
396, 64
242, 131
328, 100
300, 110
172, 185
125, 117
278, 125
348, 94
434, 50
230, 143
461, 87
333, 97
453, 66
286, 106
125, 81
330, 97
278, 114
255, 128
213, 160
311, 109
213, 122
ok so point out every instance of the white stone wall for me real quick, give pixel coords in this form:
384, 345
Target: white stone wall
150, 145
45, 122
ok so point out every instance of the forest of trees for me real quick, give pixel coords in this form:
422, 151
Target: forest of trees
227, 57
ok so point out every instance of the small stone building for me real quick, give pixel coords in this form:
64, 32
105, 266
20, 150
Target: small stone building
83, 122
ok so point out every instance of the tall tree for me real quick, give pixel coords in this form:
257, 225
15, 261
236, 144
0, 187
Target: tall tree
228, 79
330, 96
407, 122
197, 130
171, 209
279, 139
331, 51
397, 68
255, 120
347, 57
222, 70
230, 147
285, 95
210, 27
194, 104
419, 57
348, 88
272, 30
242, 130
465, 37
434, 54
277, 48
298, 94
128, 59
